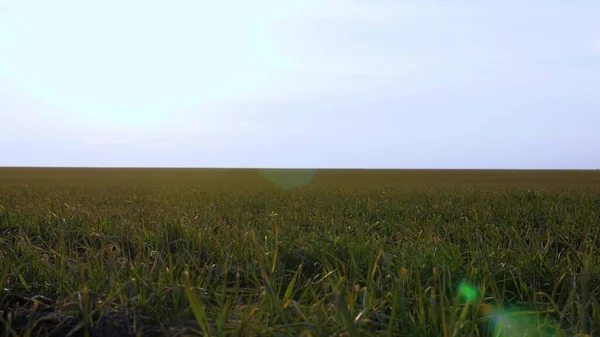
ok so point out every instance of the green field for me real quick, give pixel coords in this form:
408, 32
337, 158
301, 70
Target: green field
182, 252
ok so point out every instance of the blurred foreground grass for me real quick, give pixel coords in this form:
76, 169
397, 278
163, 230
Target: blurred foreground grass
125, 252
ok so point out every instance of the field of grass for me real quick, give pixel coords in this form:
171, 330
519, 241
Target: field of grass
182, 252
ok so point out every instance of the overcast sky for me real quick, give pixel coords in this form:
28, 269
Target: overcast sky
307, 83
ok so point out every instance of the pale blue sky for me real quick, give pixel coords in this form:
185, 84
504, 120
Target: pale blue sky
308, 83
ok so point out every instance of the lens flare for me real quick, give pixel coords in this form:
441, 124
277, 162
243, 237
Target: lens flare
517, 323
289, 179
468, 292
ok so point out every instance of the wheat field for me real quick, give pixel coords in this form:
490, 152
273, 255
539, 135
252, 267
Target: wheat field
248, 252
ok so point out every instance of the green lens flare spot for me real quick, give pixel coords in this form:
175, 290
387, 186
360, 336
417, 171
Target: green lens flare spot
289, 179
468, 292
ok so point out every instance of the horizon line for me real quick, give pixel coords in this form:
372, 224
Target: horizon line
293, 168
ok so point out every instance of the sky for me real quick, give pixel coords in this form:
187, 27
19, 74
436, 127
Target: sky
300, 83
